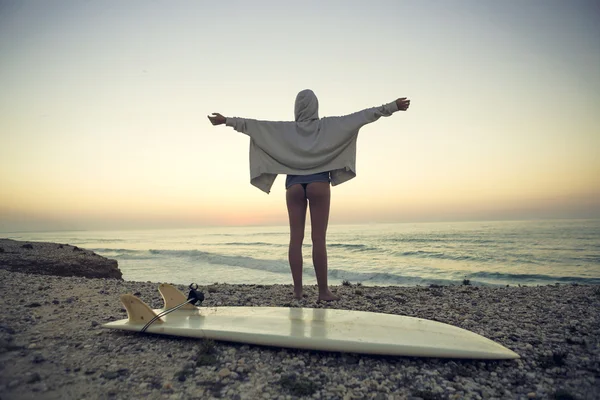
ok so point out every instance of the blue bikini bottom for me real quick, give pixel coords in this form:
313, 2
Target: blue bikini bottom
304, 180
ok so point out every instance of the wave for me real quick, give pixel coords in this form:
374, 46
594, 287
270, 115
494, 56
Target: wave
532, 278
124, 254
83, 242
388, 278
344, 246
254, 244
512, 259
273, 266
440, 256
456, 278
249, 234
92, 240
268, 234
446, 240
419, 276
277, 266
430, 254
353, 247
481, 278
588, 258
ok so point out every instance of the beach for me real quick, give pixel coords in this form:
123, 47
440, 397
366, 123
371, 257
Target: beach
52, 345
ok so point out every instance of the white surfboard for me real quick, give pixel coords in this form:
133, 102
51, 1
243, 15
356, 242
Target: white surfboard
311, 328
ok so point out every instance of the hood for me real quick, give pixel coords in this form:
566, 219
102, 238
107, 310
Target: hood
307, 106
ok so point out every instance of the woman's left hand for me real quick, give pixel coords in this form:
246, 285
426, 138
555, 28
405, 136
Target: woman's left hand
403, 103
217, 119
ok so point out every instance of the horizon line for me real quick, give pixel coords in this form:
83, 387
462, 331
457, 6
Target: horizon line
308, 225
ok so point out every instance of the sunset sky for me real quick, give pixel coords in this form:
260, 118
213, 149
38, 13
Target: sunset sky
103, 108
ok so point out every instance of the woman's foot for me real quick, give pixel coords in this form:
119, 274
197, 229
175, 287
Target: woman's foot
328, 296
298, 294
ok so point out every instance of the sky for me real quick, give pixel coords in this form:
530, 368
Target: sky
103, 108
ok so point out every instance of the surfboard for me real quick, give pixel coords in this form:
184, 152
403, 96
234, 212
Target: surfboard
322, 329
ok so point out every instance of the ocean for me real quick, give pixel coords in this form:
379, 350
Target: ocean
403, 254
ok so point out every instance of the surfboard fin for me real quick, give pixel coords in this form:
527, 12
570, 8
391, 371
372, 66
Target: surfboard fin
173, 297
138, 312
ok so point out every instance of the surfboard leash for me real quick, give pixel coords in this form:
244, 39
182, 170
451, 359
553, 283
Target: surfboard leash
193, 297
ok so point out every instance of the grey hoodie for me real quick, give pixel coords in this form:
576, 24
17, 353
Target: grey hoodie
308, 145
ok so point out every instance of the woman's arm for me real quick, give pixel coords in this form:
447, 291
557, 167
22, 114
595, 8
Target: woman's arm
355, 121
217, 119
239, 124
250, 127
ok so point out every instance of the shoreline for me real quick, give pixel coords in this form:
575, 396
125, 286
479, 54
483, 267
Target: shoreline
52, 345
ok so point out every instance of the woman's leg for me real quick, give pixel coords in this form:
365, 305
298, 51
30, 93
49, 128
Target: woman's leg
319, 197
296, 205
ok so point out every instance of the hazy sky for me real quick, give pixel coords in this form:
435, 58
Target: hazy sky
103, 108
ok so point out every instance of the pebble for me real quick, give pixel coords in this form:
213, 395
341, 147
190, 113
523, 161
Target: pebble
33, 377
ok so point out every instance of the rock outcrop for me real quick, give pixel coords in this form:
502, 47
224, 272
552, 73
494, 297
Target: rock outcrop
55, 259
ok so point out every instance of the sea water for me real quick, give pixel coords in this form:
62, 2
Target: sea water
484, 253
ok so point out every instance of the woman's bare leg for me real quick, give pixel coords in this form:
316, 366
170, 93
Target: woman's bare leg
319, 198
296, 205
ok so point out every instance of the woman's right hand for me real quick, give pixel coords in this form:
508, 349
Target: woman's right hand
403, 103
217, 119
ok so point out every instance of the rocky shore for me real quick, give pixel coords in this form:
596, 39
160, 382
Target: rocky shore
55, 259
52, 345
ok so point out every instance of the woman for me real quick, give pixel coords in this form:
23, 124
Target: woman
313, 152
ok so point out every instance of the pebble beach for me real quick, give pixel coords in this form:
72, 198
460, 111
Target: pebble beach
52, 345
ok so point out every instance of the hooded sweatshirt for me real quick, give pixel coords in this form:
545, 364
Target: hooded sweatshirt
307, 145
